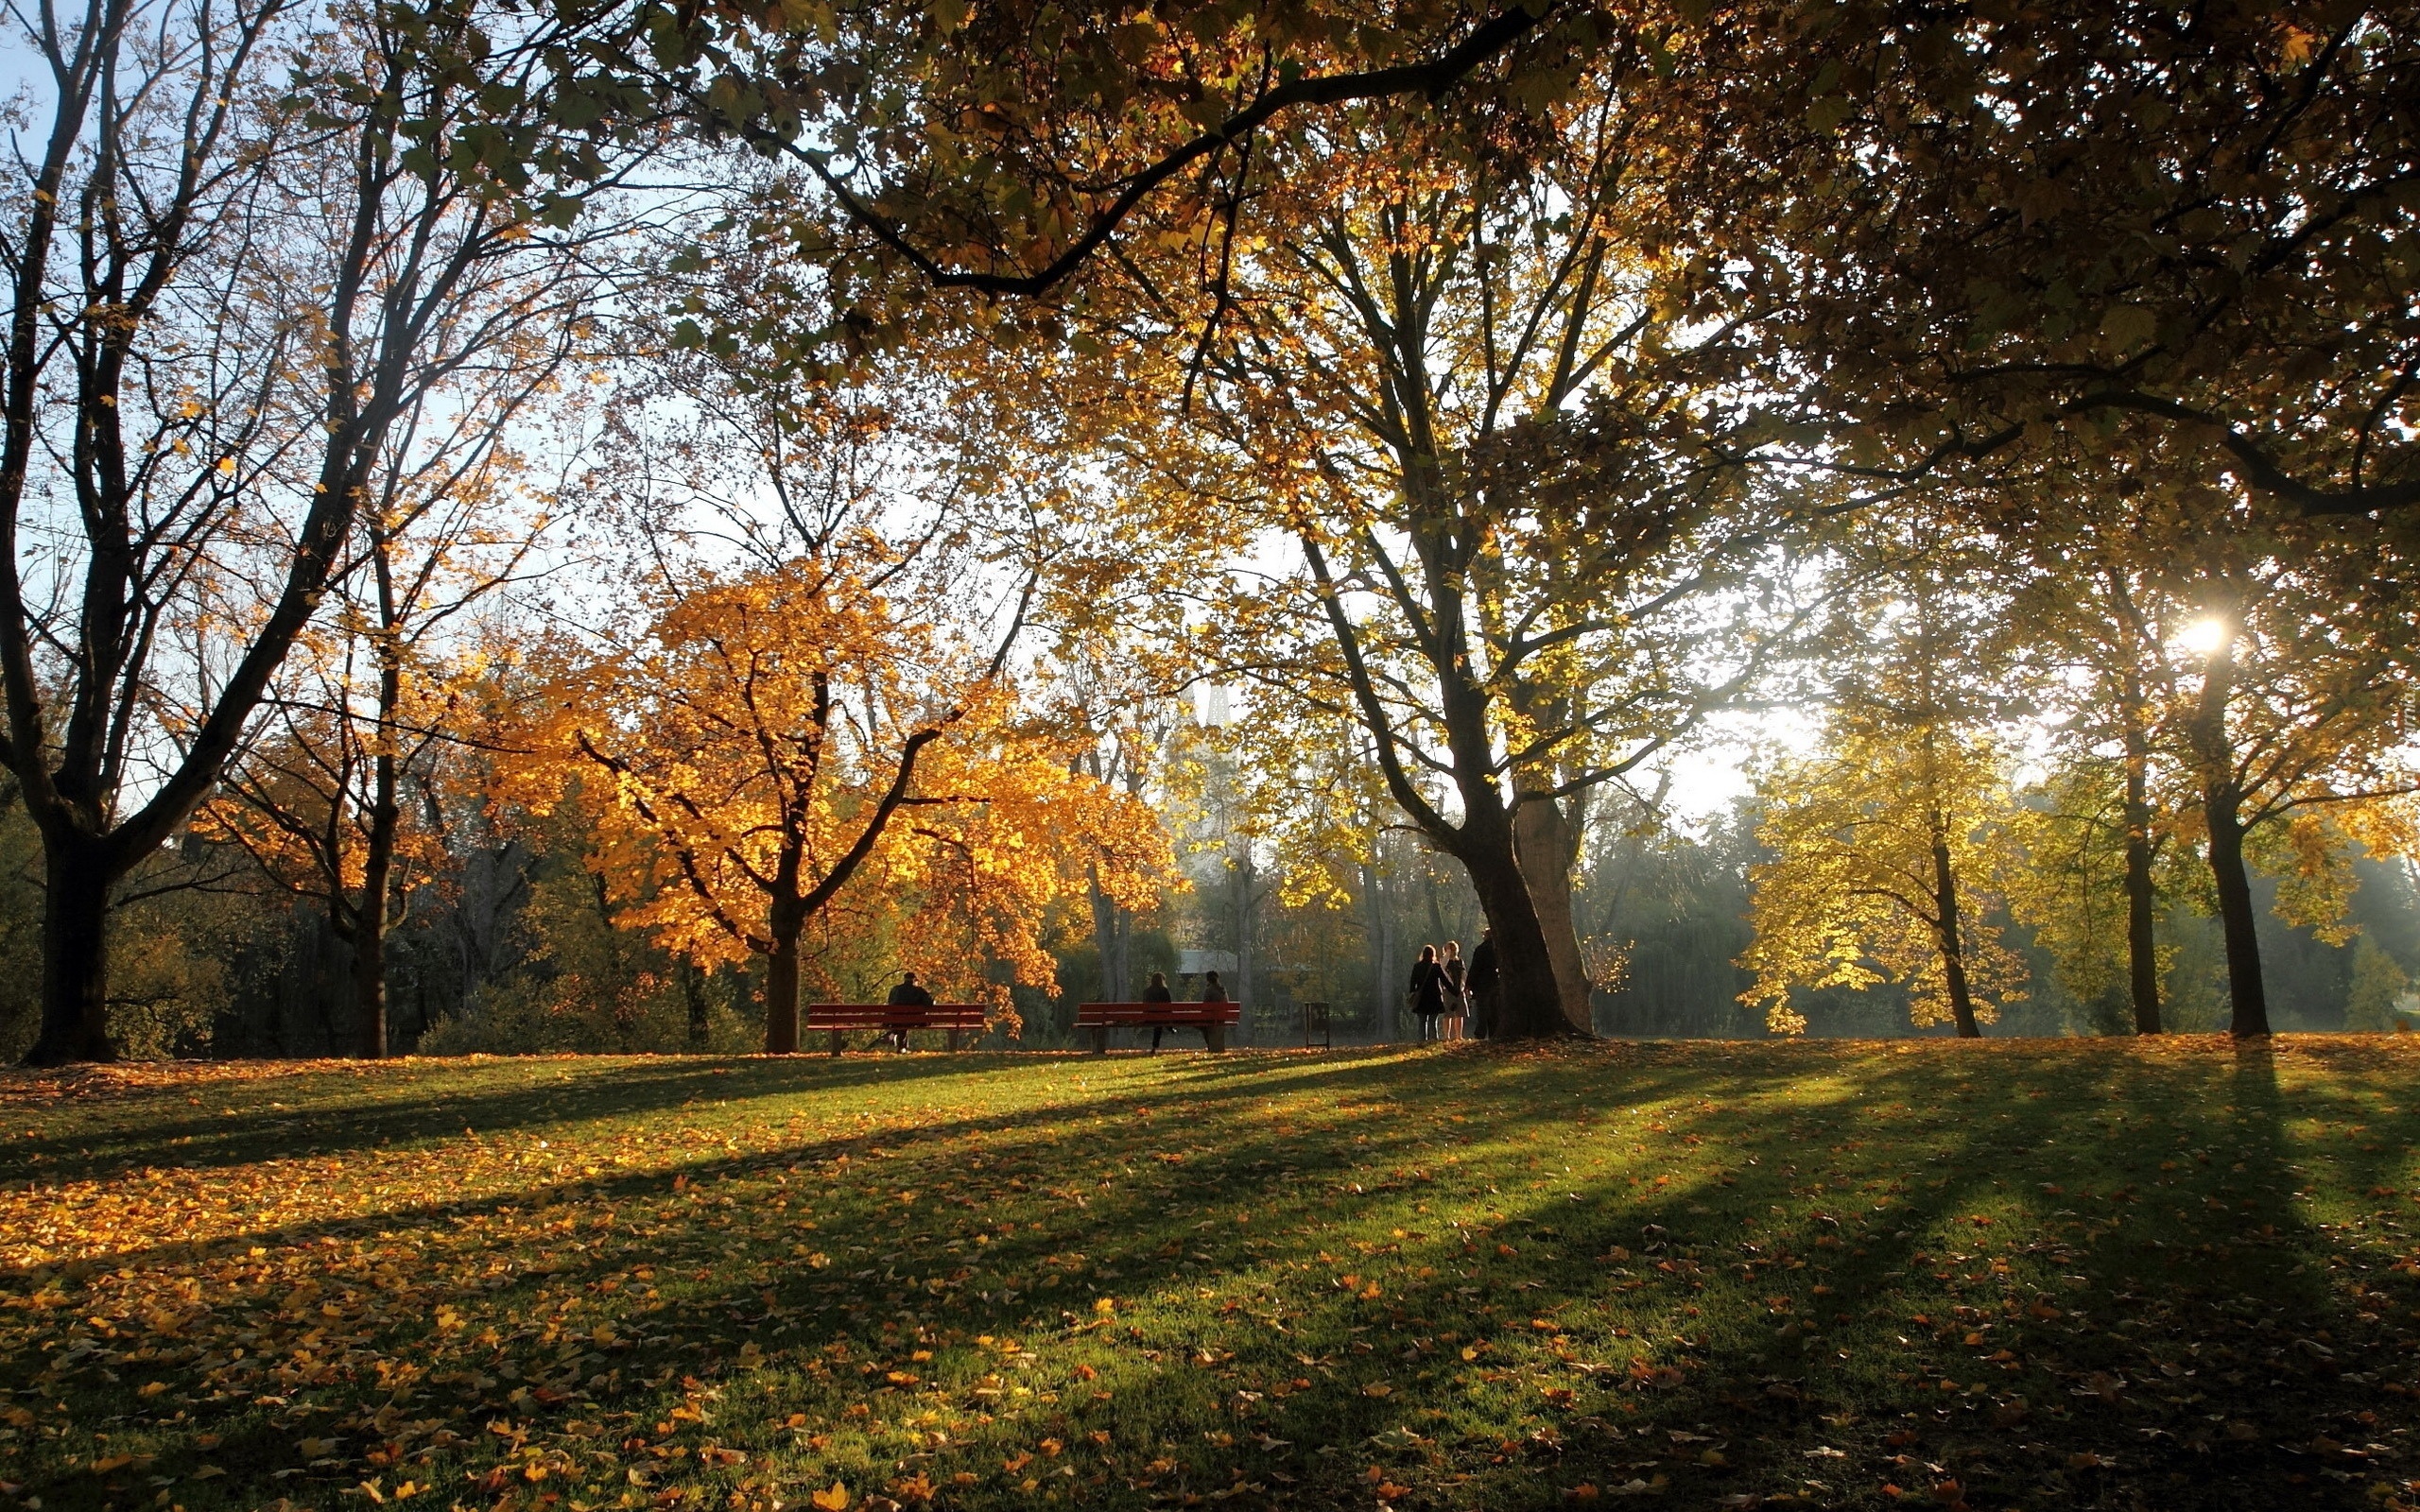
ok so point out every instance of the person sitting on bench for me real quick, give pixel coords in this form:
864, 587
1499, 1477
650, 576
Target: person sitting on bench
905, 995
1158, 992
1212, 992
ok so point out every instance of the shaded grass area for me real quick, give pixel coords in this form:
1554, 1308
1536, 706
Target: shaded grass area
2101, 1274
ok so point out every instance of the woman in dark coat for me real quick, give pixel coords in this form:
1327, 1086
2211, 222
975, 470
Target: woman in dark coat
1427, 991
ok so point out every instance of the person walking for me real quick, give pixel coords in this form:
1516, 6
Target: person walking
1158, 992
908, 995
1427, 991
1480, 981
1457, 996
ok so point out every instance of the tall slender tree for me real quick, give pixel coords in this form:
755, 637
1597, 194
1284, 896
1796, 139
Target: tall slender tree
1888, 847
250, 240
1458, 386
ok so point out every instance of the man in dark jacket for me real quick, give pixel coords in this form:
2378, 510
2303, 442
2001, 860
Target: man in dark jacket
1481, 981
905, 995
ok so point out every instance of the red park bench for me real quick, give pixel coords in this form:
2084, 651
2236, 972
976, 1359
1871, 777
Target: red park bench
840, 1018
1212, 1019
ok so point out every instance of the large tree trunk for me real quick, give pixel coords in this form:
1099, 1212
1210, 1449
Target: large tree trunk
1529, 1000
2142, 944
1953, 954
2237, 920
781, 979
1548, 843
75, 952
2223, 817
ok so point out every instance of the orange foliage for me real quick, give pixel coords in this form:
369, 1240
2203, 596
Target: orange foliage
807, 763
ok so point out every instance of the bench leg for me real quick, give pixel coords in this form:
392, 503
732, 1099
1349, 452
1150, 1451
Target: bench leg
1101, 1041
952, 1041
1215, 1035
835, 1043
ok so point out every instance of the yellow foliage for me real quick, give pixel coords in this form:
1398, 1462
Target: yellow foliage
1851, 899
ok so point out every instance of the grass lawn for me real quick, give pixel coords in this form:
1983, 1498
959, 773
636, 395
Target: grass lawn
2036, 1274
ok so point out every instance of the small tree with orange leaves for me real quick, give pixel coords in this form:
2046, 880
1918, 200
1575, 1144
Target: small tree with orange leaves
797, 760
807, 726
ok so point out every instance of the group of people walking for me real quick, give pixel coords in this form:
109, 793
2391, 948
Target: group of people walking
1453, 999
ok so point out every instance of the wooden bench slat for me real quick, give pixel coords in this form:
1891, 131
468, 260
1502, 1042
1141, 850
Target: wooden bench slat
952, 1019
942, 1014
1212, 1019
1088, 1014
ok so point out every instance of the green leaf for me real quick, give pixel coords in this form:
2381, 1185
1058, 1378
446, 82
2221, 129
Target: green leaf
2125, 327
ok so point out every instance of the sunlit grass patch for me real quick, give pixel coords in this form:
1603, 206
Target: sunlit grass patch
2009, 1274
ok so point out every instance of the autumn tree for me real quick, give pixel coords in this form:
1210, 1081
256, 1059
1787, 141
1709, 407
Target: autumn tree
2374, 1002
770, 736
2094, 626
249, 241
1889, 846
1121, 699
1037, 157
807, 714
1455, 383
2092, 872
2299, 721
360, 720
2082, 221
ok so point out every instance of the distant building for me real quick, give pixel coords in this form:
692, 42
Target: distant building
1193, 963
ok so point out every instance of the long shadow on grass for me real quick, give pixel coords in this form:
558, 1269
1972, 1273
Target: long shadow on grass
710, 1306
1615, 1340
319, 1111
2082, 1367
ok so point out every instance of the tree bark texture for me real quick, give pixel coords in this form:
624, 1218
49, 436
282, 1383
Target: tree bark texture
2142, 943
781, 983
1530, 999
378, 881
1945, 927
1548, 843
2223, 817
76, 875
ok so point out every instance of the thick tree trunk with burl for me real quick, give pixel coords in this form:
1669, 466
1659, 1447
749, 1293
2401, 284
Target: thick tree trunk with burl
1947, 927
75, 954
1547, 842
1529, 998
